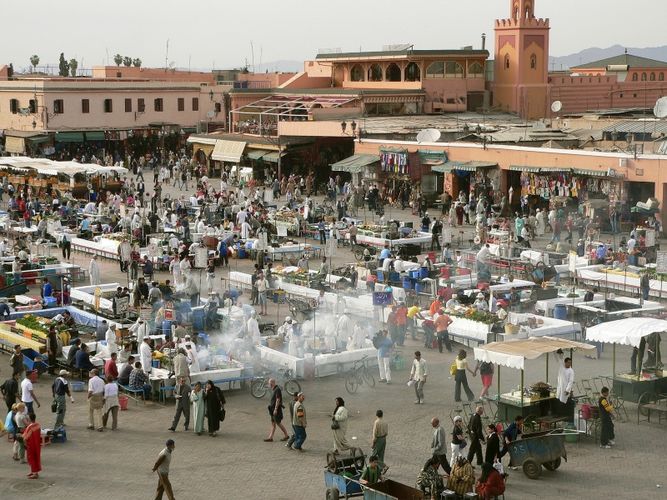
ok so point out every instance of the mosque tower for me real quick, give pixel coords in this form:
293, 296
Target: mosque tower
521, 80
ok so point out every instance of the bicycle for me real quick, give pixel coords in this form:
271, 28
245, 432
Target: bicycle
260, 386
358, 376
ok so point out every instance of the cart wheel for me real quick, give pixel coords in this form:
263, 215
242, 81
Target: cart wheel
351, 384
553, 465
292, 387
332, 494
358, 458
258, 388
646, 398
331, 463
358, 253
532, 469
369, 379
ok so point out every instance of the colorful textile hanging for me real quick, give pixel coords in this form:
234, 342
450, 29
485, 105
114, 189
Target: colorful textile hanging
394, 162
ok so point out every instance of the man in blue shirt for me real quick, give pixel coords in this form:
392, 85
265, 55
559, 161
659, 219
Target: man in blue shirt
85, 225
601, 253
384, 347
384, 254
47, 289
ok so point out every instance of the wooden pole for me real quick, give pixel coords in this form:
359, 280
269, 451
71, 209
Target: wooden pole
522, 374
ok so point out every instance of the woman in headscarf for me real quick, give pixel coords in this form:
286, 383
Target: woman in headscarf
490, 484
429, 479
197, 400
339, 426
32, 439
462, 478
214, 400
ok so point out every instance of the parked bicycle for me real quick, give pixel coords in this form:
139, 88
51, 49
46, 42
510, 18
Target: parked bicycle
260, 386
359, 375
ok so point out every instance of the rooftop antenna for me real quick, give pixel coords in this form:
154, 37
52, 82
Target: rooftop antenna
252, 55
166, 56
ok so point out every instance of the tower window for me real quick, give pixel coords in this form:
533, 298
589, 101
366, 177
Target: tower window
652, 77
643, 77
533, 61
661, 77
507, 62
635, 77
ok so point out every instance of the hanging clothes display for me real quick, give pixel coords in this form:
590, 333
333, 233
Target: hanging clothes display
567, 184
395, 162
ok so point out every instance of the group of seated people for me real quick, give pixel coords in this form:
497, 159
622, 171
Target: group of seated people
132, 374
461, 480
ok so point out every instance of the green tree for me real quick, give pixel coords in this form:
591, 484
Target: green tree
63, 67
34, 61
73, 65
118, 59
136, 63
127, 61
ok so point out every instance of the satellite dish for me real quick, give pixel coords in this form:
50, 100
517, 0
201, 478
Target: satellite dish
428, 135
210, 114
556, 106
660, 109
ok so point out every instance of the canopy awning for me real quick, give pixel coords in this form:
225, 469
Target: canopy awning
95, 136
432, 157
513, 353
628, 331
590, 173
210, 141
354, 164
256, 154
524, 168
15, 145
69, 137
465, 166
39, 139
229, 151
273, 156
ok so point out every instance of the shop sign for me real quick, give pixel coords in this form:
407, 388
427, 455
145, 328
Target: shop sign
382, 298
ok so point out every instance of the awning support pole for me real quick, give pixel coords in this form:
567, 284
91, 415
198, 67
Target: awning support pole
522, 373
547, 376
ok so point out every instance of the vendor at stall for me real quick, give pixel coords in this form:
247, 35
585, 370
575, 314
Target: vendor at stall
480, 303
252, 329
565, 387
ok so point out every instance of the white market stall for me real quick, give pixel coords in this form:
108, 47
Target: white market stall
513, 354
637, 333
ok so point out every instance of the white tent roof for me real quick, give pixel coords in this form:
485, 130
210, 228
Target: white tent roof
628, 331
513, 353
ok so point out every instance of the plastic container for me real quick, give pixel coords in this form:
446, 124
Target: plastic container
419, 287
560, 311
50, 302
77, 386
155, 363
571, 437
198, 318
414, 274
122, 402
407, 283
380, 275
423, 272
166, 327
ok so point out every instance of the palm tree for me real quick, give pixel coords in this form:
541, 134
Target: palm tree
34, 61
73, 65
136, 63
127, 61
118, 59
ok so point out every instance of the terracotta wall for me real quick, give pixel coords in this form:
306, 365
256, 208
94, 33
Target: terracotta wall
153, 74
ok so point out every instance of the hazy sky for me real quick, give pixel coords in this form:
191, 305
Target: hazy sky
218, 32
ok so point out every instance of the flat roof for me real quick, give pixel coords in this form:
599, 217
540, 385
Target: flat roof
404, 53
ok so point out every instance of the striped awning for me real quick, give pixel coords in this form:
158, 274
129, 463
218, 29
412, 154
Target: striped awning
463, 166
590, 173
228, 151
524, 168
355, 164
273, 156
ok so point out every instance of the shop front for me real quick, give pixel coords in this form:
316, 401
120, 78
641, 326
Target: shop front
473, 177
363, 168
541, 187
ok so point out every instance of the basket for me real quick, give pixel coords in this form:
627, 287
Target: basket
122, 402
511, 329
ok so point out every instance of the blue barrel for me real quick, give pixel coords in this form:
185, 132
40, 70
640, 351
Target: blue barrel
407, 283
414, 274
419, 286
242, 253
423, 272
380, 275
198, 318
166, 327
560, 311
155, 363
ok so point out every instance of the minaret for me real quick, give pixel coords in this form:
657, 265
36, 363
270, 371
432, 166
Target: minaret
521, 80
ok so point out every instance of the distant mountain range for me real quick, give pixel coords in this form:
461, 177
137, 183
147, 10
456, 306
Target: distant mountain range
595, 54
